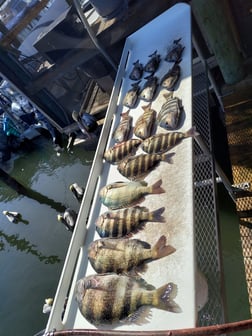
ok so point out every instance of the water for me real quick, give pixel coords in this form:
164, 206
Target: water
32, 252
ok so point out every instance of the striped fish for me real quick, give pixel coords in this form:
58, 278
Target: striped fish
145, 122
160, 143
170, 112
111, 298
124, 221
131, 96
135, 167
120, 151
122, 131
124, 194
123, 254
171, 77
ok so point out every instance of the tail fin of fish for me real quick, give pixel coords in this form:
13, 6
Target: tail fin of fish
156, 215
191, 133
161, 250
167, 157
156, 188
165, 296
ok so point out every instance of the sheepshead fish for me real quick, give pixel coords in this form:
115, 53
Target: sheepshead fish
153, 64
123, 194
136, 167
175, 51
145, 122
149, 89
131, 96
112, 298
160, 143
120, 151
137, 71
122, 222
169, 115
171, 78
123, 254
122, 131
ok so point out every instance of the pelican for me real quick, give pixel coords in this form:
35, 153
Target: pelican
68, 219
77, 191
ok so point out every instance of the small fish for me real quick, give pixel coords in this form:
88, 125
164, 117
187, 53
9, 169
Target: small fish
121, 151
137, 71
131, 96
123, 254
171, 77
149, 89
160, 143
122, 131
122, 222
137, 167
145, 122
170, 112
119, 195
112, 298
175, 51
153, 64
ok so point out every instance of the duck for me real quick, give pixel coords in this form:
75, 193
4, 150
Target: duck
68, 219
12, 216
47, 307
77, 190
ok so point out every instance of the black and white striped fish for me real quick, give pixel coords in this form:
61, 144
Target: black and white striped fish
145, 122
122, 222
160, 143
120, 151
112, 298
170, 112
136, 167
122, 131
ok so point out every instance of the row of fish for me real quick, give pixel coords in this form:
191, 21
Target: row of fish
115, 294
174, 54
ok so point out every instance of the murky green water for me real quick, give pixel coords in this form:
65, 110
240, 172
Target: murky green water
32, 252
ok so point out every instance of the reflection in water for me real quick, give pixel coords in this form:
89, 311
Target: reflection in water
25, 246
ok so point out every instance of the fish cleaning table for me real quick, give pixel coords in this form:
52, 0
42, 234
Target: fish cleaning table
177, 181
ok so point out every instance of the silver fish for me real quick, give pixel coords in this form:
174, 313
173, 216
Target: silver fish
145, 122
131, 96
123, 194
137, 71
175, 51
171, 77
153, 64
160, 143
112, 298
122, 222
122, 131
123, 254
120, 151
149, 89
169, 115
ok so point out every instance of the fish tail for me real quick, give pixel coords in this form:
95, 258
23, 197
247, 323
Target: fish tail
191, 133
163, 298
167, 157
156, 188
156, 215
161, 250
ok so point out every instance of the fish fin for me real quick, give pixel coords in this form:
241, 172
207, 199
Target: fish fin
156, 215
146, 107
167, 157
191, 133
125, 114
141, 316
156, 188
161, 250
166, 295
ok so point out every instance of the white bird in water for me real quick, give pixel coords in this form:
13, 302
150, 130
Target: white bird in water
12, 216
47, 307
77, 190
68, 219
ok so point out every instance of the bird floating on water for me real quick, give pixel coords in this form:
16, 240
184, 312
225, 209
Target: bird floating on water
68, 219
12, 216
77, 190
47, 307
